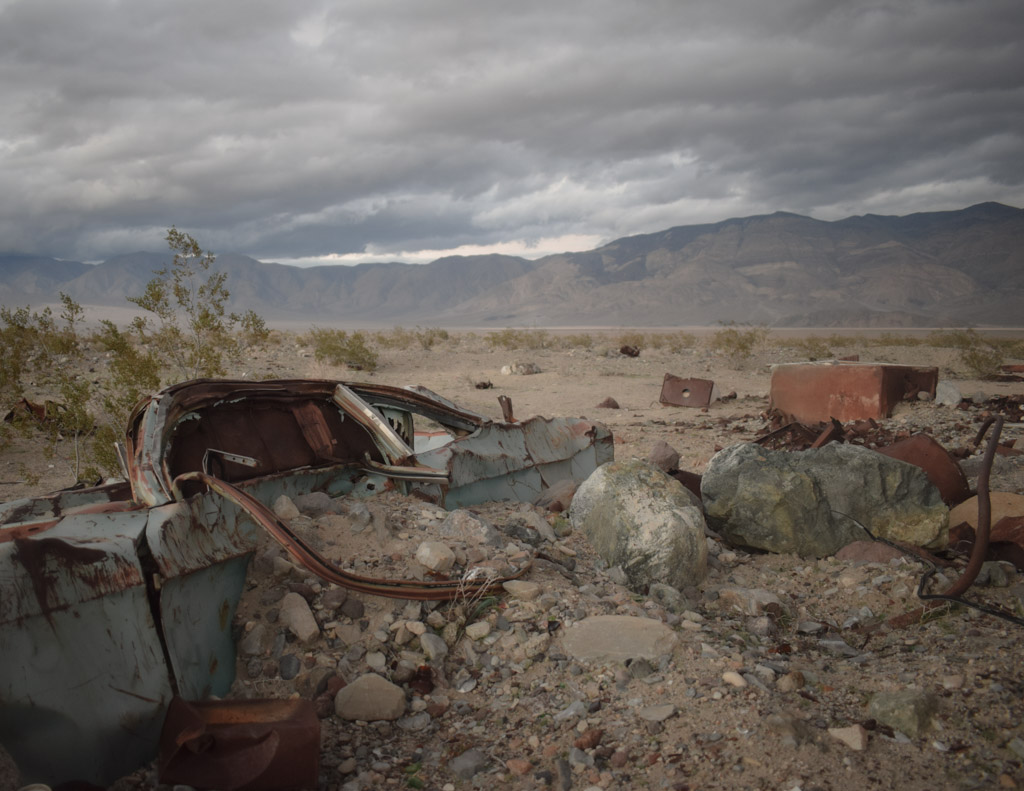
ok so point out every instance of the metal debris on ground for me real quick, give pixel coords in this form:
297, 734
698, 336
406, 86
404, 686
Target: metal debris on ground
676, 391
240, 745
818, 392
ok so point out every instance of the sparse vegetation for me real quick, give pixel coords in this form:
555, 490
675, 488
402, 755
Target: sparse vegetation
519, 339
192, 331
813, 347
981, 356
189, 335
338, 347
738, 342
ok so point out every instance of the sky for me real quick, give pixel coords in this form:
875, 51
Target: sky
310, 132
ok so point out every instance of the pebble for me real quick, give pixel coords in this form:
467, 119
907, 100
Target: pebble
435, 556
433, 646
521, 589
370, 698
296, 615
790, 682
478, 630
284, 508
734, 679
658, 713
468, 763
854, 737
289, 666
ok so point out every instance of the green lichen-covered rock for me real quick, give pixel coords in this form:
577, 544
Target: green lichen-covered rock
810, 503
637, 517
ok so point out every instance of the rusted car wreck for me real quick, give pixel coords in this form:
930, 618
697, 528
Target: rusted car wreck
116, 598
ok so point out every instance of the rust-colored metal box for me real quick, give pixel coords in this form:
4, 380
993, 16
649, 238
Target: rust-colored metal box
817, 392
676, 391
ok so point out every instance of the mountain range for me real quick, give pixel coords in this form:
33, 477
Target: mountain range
935, 269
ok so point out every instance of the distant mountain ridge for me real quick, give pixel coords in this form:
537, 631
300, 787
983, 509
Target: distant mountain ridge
950, 268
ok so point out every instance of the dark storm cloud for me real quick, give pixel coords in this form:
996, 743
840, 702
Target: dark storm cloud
305, 129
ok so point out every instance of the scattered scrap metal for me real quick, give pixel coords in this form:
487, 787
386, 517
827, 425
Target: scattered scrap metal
676, 391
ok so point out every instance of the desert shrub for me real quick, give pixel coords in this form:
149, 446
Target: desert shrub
39, 348
636, 339
339, 347
519, 339
981, 356
894, 339
395, 338
813, 347
430, 336
190, 330
739, 342
678, 341
134, 372
576, 341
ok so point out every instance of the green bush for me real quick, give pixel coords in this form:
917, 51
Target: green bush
519, 339
739, 342
981, 356
339, 347
191, 331
813, 348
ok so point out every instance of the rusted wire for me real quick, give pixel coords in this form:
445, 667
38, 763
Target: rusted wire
448, 590
981, 533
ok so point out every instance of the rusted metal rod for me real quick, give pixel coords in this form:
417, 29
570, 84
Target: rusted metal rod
981, 534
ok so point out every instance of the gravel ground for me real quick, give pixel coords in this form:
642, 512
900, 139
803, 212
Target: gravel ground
780, 670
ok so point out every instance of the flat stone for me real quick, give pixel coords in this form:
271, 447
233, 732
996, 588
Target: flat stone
734, 679
478, 630
521, 589
616, 638
370, 698
657, 713
854, 737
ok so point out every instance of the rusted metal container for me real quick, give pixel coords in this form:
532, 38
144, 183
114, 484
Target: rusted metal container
941, 468
241, 745
676, 391
819, 392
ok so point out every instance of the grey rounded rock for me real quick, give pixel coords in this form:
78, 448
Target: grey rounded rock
637, 517
370, 698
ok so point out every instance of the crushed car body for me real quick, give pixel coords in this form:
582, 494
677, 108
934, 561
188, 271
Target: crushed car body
117, 598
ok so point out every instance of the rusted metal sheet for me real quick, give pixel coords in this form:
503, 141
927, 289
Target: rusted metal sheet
81, 662
676, 391
112, 597
818, 392
941, 468
240, 745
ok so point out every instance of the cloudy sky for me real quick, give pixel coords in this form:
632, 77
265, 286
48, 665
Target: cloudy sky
319, 132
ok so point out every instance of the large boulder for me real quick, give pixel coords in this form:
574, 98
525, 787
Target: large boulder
810, 502
637, 517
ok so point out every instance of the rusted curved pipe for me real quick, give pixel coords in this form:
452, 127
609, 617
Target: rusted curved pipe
981, 534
